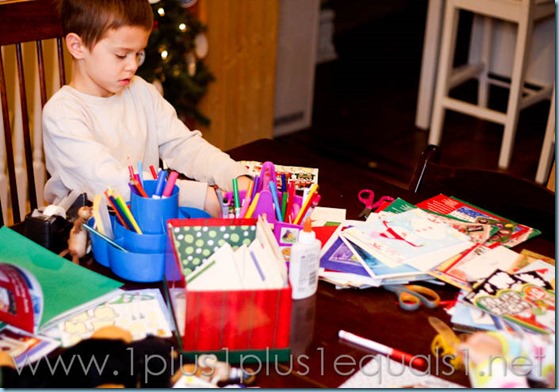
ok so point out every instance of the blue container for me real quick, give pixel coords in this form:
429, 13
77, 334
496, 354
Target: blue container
140, 243
137, 267
191, 212
99, 246
152, 213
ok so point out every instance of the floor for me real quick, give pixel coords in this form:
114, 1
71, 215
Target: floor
365, 102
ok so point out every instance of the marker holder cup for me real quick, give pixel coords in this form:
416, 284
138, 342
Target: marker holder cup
152, 213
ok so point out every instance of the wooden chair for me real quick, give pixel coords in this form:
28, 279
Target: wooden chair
521, 200
547, 154
26, 28
523, 13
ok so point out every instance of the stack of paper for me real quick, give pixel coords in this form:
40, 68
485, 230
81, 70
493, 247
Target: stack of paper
229, 263
441, 238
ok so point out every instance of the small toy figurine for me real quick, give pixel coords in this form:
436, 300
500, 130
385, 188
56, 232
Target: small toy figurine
78, 239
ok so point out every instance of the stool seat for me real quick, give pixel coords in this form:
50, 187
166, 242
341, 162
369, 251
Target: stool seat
524, 13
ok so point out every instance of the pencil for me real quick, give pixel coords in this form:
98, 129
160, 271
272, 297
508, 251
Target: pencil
306, 203
112, 203
252, 206
126, 211
104, 237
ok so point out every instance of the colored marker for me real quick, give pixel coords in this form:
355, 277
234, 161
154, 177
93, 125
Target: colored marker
160, 184
153, 172
140, 190
290, 201
255, 187
397, 355
170, 184
141, 174
277, 206
131, 170
236, 197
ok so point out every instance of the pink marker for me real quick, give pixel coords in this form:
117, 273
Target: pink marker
168, 190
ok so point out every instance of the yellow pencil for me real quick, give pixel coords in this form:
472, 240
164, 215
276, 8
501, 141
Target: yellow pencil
120, 200
252, 206
306, 202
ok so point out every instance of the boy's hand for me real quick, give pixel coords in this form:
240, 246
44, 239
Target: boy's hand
212, 204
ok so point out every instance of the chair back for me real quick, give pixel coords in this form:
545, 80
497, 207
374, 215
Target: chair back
31, 63
518, 199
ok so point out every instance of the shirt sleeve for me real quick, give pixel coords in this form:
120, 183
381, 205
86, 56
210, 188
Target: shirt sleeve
74, 158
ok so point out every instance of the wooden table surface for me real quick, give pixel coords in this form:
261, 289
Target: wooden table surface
371, 313
318, 357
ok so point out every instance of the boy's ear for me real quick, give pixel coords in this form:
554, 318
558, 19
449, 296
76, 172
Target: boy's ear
75, 45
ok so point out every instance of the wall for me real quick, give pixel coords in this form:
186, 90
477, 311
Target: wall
242, 36
296, 53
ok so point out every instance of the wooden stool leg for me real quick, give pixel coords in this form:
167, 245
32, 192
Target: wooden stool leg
483, 89
525, 26
446, 56
548, 146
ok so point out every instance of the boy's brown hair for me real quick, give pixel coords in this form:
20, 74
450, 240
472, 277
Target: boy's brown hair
91, 19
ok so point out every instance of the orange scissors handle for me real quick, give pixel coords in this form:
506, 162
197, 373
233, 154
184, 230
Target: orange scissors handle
410, 297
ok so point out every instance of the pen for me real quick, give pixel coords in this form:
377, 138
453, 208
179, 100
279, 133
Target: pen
255, 187
274, 191
170, 184
160, 184
397, 355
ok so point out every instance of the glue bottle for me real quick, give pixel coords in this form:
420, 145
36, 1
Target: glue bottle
304, 263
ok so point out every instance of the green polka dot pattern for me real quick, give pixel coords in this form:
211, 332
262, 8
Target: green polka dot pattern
195, 244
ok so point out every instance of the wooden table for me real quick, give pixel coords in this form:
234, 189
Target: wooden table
371, 313
318, 358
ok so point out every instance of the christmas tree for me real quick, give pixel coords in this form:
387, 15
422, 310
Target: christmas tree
174, 55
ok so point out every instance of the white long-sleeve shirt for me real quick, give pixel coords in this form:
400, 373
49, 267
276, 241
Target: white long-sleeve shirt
90, 141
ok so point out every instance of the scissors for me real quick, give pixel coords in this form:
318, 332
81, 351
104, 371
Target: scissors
367, 197
410, 297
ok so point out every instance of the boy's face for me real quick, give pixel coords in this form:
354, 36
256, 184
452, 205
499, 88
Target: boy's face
109, 65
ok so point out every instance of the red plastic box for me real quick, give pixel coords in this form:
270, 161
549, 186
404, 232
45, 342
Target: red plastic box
233, 323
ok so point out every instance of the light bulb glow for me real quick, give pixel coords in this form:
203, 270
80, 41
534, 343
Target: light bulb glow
164, 54
182, 27
161, 11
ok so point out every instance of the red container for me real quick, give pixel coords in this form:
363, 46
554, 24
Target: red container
232, 321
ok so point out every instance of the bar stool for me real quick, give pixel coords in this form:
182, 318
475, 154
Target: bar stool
524, 13
548, 147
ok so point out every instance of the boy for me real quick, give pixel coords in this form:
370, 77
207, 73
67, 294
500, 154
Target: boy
107, 118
